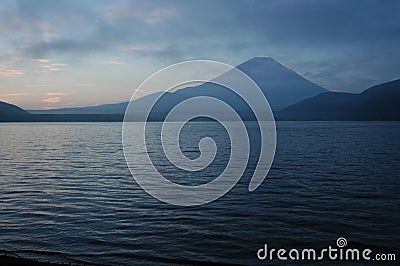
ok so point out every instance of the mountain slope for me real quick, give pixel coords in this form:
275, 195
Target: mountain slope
11, 113
380, 102
282, 86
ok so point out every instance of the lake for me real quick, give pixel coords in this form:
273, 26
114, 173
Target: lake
67, 196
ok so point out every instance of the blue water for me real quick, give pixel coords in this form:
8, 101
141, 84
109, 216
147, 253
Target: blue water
66, 195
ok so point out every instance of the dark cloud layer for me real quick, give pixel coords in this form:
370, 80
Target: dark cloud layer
345, 45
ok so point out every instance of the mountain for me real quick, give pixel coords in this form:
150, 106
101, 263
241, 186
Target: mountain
380, 102
280, 85
11, 113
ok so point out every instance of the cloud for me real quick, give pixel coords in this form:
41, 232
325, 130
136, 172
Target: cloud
88, 84
52, 100
6, 72
131, 48
55, 67
160, 14
38, 60
14, 94
151, 16
57, 94
59, 65
41, 60
63, 46
39, 85
115, 63
361, 36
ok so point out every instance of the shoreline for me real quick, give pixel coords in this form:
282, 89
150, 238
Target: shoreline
13, 260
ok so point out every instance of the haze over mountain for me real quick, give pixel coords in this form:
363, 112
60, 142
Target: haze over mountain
280, 85
380, 102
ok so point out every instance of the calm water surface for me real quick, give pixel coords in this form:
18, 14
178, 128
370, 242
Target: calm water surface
66, 195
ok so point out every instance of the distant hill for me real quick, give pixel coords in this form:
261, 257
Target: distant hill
12, 113
380, 102
280, 85
117, 108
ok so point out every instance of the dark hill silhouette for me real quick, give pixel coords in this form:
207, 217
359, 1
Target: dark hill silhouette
380, 102
12, 113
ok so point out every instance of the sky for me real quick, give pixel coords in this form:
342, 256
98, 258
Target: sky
57, 54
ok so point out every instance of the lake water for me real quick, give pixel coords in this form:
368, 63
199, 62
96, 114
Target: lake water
66, 195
